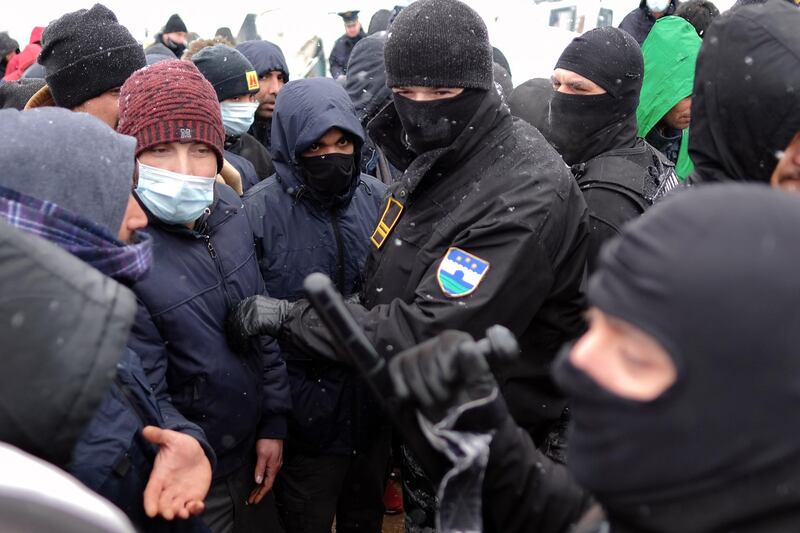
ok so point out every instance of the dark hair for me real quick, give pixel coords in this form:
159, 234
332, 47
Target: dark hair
699, 13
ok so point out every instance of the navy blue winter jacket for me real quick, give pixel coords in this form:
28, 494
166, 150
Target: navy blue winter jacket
197, 276
114, 460
295, 236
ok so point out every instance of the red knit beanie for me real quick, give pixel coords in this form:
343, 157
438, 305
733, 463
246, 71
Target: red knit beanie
171, 101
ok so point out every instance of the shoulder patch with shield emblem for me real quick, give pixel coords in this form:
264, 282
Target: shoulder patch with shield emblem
460, 272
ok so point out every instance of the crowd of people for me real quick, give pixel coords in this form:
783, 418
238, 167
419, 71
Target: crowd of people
628, 221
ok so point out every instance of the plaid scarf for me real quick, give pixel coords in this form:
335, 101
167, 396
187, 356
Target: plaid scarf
89, 242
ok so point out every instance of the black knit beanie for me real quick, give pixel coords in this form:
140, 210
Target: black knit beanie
439, 43
227, 70
610, 57
7, 44
175, 24
86, 53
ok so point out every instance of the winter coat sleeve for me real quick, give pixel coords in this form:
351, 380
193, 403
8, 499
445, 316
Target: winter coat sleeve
338, 60
519, 279
524, 491
277, 400
146, 341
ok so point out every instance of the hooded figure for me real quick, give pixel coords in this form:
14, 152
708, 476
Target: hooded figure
639, 22
379, 21
709, 449
670, 54
88, 213
531, 102
316, 215
745, 108
366, 85
267, 58
236, 83
483, 198
20, 62
47, 398
620, 174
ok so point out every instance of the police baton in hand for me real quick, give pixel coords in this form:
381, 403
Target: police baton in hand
353, 345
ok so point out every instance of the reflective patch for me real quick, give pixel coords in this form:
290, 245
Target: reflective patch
252, 80
460, 272
387, 223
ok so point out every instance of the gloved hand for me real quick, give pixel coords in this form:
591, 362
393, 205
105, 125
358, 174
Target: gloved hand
442, 373
253, 316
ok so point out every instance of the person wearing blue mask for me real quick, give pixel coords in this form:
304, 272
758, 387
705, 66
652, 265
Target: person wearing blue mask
236, 83
204, 264
134, 448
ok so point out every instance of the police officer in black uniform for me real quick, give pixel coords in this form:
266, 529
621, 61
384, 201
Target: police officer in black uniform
485, 226
340, 54
591, 121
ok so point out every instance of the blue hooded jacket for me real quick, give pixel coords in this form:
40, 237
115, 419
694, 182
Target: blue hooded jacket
295, 236
197, 277
265, 57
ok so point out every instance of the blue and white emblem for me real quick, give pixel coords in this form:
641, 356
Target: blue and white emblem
460, 272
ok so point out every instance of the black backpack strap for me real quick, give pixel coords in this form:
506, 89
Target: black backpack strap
616, 174
642, 174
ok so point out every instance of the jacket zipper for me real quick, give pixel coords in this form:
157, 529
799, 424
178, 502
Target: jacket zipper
337, 235
214, 257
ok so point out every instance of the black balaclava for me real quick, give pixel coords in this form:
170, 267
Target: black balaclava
711, 274
437, 123
746, 97
420, 52
582, 127
329, 176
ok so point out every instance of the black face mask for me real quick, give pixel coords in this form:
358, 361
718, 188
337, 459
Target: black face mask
328, 175
437, 123
582, 127
609, 447
714, 448
177, 48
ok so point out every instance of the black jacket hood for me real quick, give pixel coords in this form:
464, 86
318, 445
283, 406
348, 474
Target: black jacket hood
66, 329
366, 77
746, 103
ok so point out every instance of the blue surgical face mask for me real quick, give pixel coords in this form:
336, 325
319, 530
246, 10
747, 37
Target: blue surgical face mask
174, 198
237, 117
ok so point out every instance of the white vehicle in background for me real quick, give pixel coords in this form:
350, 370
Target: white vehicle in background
533, 33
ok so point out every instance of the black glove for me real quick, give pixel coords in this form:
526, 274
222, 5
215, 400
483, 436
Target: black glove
441, 373
254, 316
